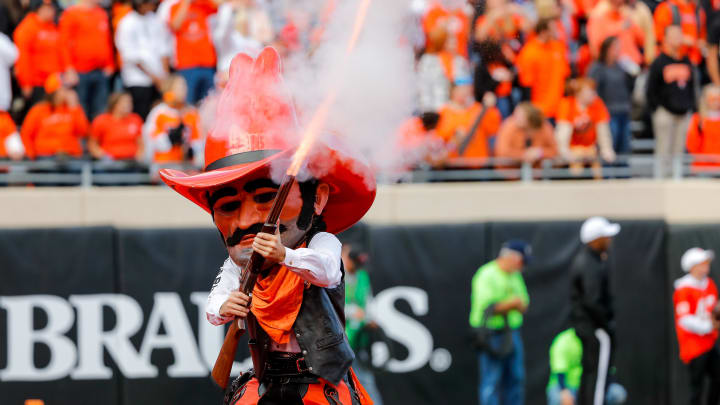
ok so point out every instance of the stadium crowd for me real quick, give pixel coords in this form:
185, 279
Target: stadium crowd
512, 80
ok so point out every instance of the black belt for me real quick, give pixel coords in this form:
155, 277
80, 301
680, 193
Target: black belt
283, 364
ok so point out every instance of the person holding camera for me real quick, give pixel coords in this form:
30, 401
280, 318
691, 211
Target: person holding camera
499, 300
697, 319
172, 130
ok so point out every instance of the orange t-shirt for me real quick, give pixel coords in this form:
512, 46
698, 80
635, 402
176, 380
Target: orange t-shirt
688, 22
85, 32
582, 120
47, 131
455, 121
543, 67
512, 141
458, 24
165, 119
612, 23
703, 138
40, 51
7, 128
118, 137
193, 43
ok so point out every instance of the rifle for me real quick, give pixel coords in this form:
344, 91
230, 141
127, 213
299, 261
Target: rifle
223, 364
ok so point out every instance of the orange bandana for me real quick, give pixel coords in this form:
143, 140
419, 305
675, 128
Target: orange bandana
276, 302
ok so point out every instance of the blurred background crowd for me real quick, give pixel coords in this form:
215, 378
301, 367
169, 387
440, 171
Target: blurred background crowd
576, 84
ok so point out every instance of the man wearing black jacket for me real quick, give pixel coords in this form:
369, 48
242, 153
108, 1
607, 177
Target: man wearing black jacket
592, 313
671, 97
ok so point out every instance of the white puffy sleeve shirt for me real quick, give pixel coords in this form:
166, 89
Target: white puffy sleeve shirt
317, 264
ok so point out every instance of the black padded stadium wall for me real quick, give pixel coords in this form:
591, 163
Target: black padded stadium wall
116, 316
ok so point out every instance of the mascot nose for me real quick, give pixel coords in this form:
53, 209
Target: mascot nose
248, 215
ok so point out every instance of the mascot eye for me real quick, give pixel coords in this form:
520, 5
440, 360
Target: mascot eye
263, 198
230, 207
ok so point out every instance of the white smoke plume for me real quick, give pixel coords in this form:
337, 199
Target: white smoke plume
376, 84
376, 81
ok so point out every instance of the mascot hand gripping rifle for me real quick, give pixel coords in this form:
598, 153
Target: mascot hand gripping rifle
295, 317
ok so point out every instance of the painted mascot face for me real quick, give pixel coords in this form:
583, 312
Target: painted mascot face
240, 208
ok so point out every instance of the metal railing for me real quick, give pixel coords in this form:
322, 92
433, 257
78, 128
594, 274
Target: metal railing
86, 173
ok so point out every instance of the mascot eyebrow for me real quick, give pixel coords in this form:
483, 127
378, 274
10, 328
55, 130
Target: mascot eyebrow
228, 191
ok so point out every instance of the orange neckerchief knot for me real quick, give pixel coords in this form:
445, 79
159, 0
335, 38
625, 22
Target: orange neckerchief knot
276, 302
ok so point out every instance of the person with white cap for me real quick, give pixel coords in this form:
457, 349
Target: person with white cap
592, 313
695, 298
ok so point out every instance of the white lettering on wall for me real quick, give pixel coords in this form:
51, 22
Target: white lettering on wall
21, 338
92, 339
168, 327
168, 311
404, 329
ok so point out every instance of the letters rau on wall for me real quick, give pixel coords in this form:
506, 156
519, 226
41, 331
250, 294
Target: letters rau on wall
168, 326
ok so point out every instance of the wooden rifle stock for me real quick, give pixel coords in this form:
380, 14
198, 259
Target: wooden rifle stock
223, 364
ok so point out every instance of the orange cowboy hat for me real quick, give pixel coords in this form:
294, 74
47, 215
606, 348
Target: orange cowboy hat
253, 133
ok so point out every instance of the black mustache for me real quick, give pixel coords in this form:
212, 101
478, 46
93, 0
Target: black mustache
253, 229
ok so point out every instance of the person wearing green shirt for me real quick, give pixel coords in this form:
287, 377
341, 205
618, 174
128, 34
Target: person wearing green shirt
498, 290
358, 294
566, 372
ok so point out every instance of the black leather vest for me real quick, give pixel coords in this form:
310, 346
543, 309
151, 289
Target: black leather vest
320, 332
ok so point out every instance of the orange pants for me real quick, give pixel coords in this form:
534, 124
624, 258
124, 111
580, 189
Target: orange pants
320, 393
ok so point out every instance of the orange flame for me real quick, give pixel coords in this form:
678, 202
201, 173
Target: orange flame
321, 113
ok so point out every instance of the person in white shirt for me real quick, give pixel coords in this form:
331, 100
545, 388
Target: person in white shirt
145, 47
8, 56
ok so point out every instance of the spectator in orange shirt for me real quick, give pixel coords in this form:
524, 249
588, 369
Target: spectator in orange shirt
11, 146
561, 15
504, 23
616, 21
419, 143
172, 131
703, 134
460, 116
55, 127
640, 13
86, 37
194, 49
690, 18
525, 136
455, 21
543, 67
40, 51
583, 127
117, 134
